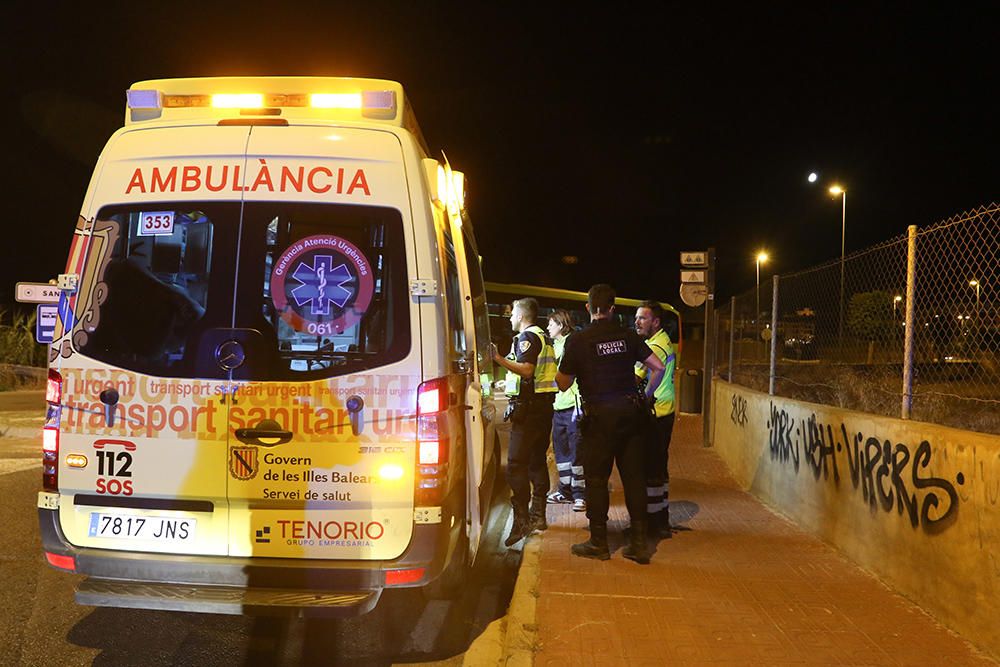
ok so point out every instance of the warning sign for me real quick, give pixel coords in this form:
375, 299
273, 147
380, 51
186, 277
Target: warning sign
693, 276
694, 259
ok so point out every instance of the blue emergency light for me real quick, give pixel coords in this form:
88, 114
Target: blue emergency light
144, 99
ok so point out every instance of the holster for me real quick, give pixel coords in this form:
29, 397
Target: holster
517, 409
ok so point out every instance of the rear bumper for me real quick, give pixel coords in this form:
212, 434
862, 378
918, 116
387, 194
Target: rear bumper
225, 585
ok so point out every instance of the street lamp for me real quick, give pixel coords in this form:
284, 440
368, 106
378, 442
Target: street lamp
761, 259
895, 304
975, 283
838, 190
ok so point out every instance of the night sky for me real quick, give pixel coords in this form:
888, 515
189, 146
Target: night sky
621, 136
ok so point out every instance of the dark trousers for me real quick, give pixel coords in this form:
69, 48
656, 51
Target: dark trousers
657, 463
527, 472
566, 447
614, 433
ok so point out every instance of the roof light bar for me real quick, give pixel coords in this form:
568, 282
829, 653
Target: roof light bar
237, 100
374, 103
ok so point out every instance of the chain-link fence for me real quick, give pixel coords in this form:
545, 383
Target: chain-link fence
844, 328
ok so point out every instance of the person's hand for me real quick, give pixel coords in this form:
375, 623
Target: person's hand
494, 353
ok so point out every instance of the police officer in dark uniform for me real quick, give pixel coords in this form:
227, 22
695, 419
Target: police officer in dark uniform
602, 359
530, 385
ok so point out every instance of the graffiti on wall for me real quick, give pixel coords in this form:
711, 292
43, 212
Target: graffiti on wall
739, 413
886, 476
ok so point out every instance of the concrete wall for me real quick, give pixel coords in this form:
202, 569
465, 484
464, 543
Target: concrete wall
915, 503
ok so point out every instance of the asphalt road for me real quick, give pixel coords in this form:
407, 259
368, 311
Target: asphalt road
42, 625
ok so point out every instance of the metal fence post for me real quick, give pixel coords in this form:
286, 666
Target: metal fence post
732, 333
911, 279
774, 337
709, 355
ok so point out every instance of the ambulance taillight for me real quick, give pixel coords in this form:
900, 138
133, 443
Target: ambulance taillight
50, 432
433, 441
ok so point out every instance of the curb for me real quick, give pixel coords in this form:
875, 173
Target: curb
512, 640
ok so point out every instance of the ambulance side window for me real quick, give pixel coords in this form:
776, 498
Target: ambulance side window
480, 311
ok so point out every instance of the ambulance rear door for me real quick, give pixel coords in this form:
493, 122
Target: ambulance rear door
477, 366
322, 423
143, 392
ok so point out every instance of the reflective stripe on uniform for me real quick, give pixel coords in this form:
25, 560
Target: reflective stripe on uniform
565, 473
652, 508
546, 365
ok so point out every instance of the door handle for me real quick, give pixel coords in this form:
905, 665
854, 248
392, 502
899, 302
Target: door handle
355, 404
265, 430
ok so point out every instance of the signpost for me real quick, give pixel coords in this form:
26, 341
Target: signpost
698, 287
36, 293
45, 322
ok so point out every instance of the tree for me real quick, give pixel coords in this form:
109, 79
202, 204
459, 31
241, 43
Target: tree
869, 317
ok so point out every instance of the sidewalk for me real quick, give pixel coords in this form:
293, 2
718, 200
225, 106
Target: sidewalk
737, 585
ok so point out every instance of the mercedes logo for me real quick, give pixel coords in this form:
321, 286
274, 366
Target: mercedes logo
230, 355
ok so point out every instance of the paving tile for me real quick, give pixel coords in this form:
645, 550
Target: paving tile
742, 586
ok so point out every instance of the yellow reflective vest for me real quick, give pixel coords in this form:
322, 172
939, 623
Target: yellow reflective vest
571, 397
545, 367
666, 352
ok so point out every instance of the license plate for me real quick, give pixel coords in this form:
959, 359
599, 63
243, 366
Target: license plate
132, 526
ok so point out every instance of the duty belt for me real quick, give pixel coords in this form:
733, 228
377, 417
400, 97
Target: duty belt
611, 400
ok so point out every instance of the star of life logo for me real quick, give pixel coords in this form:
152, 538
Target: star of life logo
322, 285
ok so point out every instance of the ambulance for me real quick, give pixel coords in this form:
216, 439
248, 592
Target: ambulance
270, 389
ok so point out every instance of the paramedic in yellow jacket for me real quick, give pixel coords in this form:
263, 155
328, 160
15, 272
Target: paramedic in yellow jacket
565, 434
648, 324
530, 385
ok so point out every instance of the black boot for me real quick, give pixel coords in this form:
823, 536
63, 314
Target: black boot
596, 546
537, 515
519, 528
637, 548
659, 526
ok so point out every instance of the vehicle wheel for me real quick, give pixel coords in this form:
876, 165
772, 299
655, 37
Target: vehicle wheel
454, 576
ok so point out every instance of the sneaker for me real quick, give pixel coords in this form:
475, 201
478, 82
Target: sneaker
579, 505
557, 498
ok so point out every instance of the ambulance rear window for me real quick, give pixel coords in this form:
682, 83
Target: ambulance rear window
330, 282
307, 291
155, 281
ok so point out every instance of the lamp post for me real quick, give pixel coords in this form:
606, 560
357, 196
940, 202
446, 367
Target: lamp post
895, 304
975, 283
761, 259
838, 190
